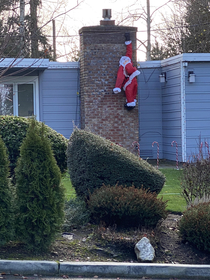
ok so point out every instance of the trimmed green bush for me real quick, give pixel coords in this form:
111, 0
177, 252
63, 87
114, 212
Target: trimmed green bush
126, 206
194, 226
13, 130
93, 161
40, 196
6, 219
76, 214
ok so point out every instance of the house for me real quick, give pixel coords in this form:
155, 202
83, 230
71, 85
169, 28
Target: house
173, 100
174, 105
48, 90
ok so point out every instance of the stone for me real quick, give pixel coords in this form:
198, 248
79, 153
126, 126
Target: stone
144, 250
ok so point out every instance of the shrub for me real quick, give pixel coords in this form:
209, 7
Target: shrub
93, 160
194, 226
13, 130
40, 196
196, 180
126, 206
76, 214
6, 221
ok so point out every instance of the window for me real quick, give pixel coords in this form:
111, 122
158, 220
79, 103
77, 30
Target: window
19, 97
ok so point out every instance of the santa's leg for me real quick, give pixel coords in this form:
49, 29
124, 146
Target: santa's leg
130, 93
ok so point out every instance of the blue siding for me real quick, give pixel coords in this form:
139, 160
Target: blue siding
197, 108
59, 101
171, 111
150, 112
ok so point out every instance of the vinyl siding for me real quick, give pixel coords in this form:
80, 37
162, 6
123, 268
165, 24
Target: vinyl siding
198, 108
150, 112
59, 101
171, 111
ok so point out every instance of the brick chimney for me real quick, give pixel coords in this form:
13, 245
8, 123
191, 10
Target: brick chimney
103, 112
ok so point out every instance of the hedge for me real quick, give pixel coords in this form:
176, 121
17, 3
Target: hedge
93, 161
13, 130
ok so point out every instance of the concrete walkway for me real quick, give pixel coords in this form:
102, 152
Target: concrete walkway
105, 269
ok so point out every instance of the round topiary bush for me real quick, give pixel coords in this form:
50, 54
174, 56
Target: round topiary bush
13, 130
194, 226
93, 160
40, 195
126, 206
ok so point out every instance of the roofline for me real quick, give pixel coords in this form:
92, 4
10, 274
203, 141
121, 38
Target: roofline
63, 65
185, 57
37, 63
12, 63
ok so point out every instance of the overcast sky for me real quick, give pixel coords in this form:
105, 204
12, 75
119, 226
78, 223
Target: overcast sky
90, 13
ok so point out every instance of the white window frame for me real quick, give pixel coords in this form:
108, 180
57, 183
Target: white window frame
15, 81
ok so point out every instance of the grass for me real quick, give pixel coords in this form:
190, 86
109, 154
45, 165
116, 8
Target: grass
70, 191
171, 190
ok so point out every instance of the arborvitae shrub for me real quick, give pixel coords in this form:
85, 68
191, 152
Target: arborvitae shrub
6, 217
93, 160
194, 226
40, 196
13, 130
126, 206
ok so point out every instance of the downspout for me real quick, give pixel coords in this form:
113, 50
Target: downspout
183, 112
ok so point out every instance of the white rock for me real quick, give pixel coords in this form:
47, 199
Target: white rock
144, 250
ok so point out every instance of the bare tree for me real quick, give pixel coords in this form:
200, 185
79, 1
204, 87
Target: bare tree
170, 34
138, 13
185, 31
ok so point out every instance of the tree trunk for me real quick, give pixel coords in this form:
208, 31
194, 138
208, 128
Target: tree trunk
22, 27
34, 28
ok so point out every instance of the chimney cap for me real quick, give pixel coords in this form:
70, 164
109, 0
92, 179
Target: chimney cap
106, 14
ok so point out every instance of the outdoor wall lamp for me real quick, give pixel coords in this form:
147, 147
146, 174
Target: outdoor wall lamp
162, 77
191, 77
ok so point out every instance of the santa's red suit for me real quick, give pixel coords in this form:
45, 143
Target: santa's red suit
126, 77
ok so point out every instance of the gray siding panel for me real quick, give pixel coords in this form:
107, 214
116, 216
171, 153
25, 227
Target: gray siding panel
150, 112
59, 101
198, 108
171, 97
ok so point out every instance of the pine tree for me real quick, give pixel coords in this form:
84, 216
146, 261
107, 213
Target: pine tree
40, 196
197, 19
6, 229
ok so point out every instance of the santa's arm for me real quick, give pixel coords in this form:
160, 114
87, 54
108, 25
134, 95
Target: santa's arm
128, 44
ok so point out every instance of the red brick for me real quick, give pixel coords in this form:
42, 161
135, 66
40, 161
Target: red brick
101, 111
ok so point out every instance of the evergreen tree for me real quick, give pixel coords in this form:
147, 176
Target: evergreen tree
5, 197
40, 196
197, 19
22, 37
186, 31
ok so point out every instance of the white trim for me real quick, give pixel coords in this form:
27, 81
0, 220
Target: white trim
23, 80
149, 64
131, 104
128, 43
63, 65
124, 60
132, 76
116, 90
183, 114
185, 57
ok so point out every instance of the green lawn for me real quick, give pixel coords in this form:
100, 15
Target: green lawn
70, 192
171, 190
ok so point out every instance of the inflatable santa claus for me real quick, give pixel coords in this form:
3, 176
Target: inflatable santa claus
126, 76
